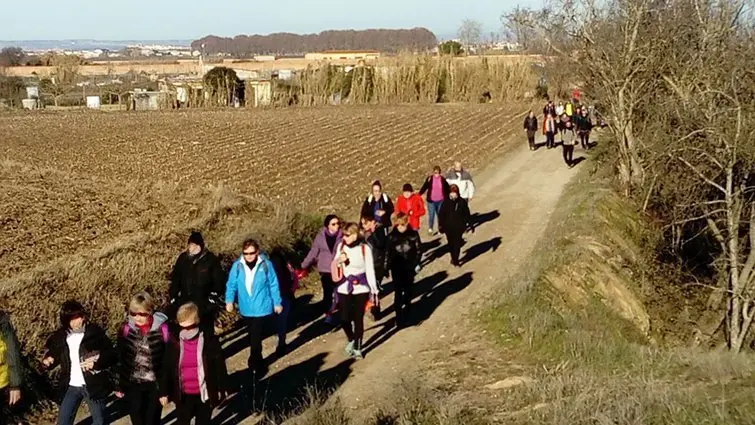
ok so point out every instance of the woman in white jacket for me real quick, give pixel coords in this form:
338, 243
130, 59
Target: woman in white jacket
354, 274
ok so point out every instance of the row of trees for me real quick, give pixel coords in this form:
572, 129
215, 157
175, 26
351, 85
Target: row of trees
295, 44
676, 80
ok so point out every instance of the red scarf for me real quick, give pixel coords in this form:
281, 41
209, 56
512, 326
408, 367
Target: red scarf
145, 328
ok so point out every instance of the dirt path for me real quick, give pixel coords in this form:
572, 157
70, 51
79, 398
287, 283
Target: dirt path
516, 196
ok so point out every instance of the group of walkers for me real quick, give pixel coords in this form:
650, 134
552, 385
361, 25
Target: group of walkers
175, 356
572, 122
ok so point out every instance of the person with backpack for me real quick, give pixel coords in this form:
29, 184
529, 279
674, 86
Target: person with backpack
141, 345
288, 283
376, 236
379, 205
454, 221
404, 257
354, 272
322, 253
196, 378
436, 186
412, 205
85, 355
530, 126
11, 367
253, 283
198, 277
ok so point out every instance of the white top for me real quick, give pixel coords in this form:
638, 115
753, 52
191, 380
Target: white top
74, 342
560, 110
358, 264
249, 275
466, 187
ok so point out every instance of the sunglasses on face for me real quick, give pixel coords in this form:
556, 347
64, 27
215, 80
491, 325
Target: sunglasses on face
139, 314
335, 223
190, 327
249, 254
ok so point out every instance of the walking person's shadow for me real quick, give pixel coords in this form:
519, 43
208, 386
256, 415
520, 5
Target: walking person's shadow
481, 248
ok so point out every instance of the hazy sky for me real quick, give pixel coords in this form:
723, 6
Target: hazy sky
191, 19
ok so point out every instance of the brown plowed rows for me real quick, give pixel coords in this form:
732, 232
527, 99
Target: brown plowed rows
102, 171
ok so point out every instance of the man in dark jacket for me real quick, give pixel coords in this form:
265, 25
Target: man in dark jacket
198, 277
11, 369
530, 126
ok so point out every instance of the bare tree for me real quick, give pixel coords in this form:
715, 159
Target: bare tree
470, 32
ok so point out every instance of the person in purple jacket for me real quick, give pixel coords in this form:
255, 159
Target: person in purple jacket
322, 253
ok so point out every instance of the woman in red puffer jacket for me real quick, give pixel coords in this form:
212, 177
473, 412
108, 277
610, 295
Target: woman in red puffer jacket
411, 204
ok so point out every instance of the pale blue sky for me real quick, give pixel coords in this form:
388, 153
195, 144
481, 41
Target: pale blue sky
191, 19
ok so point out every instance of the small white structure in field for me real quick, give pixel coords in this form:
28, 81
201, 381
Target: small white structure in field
30, 103
93, 102
285, 74
32, 92
264, 58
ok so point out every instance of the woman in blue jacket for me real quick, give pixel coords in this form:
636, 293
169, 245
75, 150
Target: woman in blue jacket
252, 283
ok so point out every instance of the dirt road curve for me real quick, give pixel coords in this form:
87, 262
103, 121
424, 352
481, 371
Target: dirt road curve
515, 199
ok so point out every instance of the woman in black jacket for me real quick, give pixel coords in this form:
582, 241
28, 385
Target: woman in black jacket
379, 205
85, 354
404, 257
141, 349
195, 376
454, 221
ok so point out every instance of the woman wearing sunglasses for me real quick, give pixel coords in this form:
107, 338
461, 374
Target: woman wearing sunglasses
196, 376
141, 349
321, 254
84, 353
252, 283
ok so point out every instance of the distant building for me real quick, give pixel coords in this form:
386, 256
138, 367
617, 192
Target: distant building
343, 55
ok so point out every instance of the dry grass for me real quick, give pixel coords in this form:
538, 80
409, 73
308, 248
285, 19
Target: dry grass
418, 79
592, 363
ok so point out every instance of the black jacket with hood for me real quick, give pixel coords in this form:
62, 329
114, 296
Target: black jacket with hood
404, 251
129, 336
378, 242
368, 208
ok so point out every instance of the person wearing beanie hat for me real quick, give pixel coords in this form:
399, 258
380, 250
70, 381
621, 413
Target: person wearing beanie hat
411, 204
199, 278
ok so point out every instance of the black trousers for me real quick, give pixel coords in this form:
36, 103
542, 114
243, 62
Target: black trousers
531, 138
191, 407
144, 404
326, 279
403, 280
254, 328
455, 241
568, 154
584, 137
352, 315
550, 140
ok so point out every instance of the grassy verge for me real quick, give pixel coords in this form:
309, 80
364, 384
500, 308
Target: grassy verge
583, 317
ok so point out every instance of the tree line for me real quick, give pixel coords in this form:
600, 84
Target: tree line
384, 40
675, 79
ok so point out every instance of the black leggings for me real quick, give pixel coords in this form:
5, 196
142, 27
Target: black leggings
352, 314
144, 404
326, 279
568, 154
550, 140
584, 137
191, 406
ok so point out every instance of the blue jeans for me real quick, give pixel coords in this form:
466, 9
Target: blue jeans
71, 403
433, 209
282, 321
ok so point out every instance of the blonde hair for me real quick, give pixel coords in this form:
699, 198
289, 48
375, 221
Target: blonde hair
188, 311
142, 302
350, 228
401, 220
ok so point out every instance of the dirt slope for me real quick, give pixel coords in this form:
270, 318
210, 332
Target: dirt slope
515, 198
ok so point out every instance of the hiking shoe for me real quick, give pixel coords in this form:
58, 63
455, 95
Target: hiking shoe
349, 350
430, 232
357, 355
